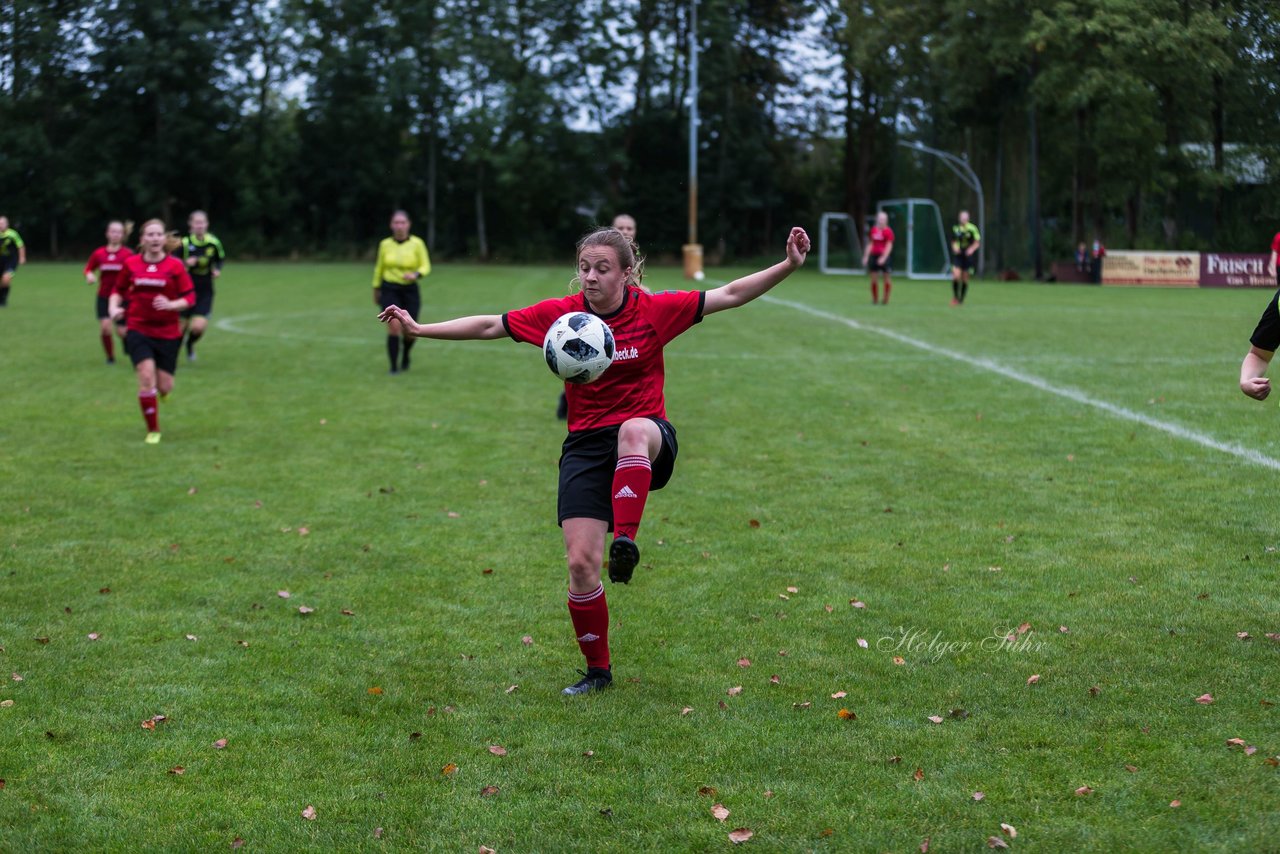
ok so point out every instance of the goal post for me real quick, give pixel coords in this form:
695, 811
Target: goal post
920, 246
839, 245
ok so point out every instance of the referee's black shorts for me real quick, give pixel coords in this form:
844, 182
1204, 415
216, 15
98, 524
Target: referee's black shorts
407, 297
587, 463
962, 261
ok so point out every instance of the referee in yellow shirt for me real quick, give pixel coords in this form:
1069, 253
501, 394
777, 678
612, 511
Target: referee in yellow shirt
402, 261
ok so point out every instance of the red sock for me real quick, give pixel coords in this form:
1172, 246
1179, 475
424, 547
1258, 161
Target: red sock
147, 400
631, 481
590, 614
109, 345
887, 286
875, 291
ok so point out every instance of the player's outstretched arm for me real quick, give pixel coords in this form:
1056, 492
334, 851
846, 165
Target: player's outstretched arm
744, 290
476, 328
1252, 381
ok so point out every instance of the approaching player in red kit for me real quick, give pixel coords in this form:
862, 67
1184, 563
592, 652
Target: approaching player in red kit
152, 289
1271, 262
620, 444
877, 252
103, 269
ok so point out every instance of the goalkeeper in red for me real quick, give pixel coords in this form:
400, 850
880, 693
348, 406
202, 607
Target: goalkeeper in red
620, 444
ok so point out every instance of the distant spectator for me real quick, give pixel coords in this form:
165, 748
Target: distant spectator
1096, 255
1082, 258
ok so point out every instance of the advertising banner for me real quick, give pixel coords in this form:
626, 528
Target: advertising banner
1163, 269
1232, 270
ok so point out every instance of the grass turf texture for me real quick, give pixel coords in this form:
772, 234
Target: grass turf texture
875, 471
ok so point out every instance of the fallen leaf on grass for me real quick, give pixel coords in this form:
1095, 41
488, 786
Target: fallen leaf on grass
1132, 769
804, 705
17, 677
243, 643
449, 769
827, 831
42, 641
996, 842
237, 843
686, 710
93, 636
958, 714
862, 642
734, 691
828, 608
744, 662
4, 704
488, 790
347, 612
1250, 750
497, 750
104, 590
192, 491
1010, 830
1084, 790
707, 791
1064, 630
1273, 761
1033, 678
720, 811
784, 597
414, 736
512, 689
309, 813
924, 846
376, 691
283, 594
775, 679
302, 532
527, 640
894, 760
754, 523
178, 770
1023, 629
857, 603
839, 695
899, 660
977, 796
1235, 742
304, 610
148, 724
220, 744
740, 835
768, 793
485, 849
1204, 699
846, 715
937, 719
1094, 690
377, 833
919, 775
1175, 804
588, 753
1244, 636
192, 638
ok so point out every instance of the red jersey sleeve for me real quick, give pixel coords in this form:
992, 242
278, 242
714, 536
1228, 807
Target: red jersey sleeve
95, 261
1275, 242
888, 235
673, 312
530, 325
123, 281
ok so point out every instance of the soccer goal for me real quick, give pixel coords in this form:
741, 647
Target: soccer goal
839, 245
920, 244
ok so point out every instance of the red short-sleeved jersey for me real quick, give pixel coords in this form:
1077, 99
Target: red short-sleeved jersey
632, 387
1275, 242
141, 282
109, 263
880, 238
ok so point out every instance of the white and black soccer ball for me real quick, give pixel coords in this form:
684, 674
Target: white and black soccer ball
578, 347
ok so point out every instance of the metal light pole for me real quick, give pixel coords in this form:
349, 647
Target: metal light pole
969, 178
693, 249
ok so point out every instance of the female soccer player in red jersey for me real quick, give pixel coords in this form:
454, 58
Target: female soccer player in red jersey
103, 269
152, 289
876, 256
620, 444
1275, 254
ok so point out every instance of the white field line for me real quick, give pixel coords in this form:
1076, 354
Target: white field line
982, 363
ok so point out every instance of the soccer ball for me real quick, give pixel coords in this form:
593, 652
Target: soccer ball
698, 276
578, 347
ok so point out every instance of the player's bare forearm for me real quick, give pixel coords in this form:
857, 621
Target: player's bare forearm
1252, 370
480, 327
744, 290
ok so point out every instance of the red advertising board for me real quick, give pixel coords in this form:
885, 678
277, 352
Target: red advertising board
1234, 270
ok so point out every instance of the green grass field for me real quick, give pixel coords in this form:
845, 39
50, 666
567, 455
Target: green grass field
956, 503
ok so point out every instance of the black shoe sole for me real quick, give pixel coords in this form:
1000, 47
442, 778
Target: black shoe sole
623, 557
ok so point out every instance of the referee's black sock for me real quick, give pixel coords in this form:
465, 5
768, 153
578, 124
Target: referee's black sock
404, 358
955, 289
4, 296
393, 351
964, 290
192, 338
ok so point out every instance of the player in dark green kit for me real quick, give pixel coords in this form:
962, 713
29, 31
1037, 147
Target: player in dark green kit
203, 255
965, 241
12, 253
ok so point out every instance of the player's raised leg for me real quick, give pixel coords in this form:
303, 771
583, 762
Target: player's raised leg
639, 441
588, 608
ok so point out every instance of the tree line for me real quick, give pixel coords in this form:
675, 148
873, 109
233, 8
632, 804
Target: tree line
506, 128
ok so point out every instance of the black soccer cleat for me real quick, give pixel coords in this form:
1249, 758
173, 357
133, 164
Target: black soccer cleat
623, 557
595, 679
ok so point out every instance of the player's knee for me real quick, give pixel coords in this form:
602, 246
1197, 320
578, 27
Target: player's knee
638, 436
